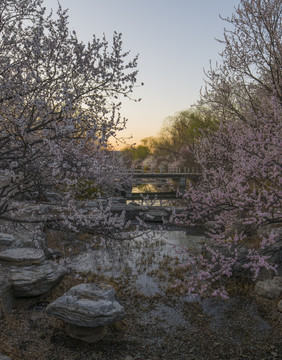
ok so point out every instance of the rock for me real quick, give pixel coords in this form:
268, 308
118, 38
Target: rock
35, 280
4, 357
155, 215
30, 237
22, 256
88, 334
88, 305
26, 196
119, 200
15, 240
210, 225
22, 239
6, 297
271, 289
131, 211
6, 239
279, 306
89, 204
53, 197
54, 254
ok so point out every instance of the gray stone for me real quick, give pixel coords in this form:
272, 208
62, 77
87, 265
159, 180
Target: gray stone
35, 280
22, 256
119, 200
4, 357
53, 196
6, 296
87, 305
13, 241
279, 306
130, 211
210, 225
6, 239
19, 239
155, 215
87, 334
271, 289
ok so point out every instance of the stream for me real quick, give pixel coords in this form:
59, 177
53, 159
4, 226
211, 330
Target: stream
144, 261
145, 264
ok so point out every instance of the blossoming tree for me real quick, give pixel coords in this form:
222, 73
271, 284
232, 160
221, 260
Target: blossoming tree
240, 191
59, 105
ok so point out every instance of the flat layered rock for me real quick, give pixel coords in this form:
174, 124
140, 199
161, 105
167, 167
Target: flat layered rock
22, 256
88, 305
6, 239
34, 280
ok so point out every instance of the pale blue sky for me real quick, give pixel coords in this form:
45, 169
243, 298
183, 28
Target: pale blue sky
175, 40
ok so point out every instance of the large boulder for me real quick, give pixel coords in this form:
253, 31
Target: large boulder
271, 289
88, 308
88, 305
34, 280
22, 256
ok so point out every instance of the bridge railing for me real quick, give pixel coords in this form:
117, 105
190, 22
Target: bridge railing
165, 170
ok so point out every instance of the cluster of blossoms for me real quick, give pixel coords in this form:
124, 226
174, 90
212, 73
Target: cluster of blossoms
59, 105
240, 191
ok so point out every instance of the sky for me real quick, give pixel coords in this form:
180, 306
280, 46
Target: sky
175, 40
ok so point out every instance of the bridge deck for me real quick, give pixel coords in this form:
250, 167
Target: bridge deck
152, 195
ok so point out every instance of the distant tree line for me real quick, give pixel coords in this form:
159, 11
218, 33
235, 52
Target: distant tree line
175, 145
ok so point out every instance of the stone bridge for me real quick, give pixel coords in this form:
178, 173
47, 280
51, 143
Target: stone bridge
179, 174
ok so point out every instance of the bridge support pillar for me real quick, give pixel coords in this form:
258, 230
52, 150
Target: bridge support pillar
182, 184
128, 193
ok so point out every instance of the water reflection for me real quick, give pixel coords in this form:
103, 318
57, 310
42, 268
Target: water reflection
146, 266
144, 262
154, 187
